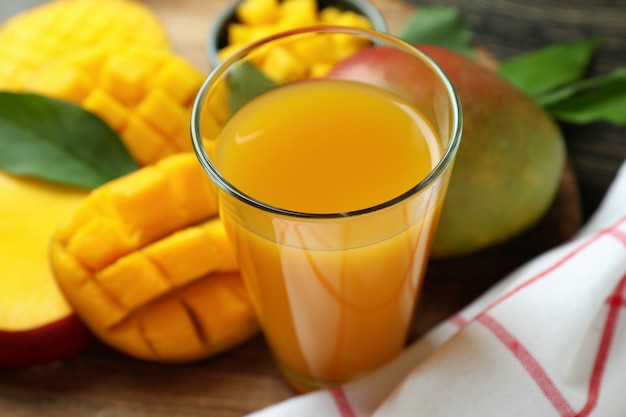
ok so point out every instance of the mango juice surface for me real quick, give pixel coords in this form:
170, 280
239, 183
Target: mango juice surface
335, 298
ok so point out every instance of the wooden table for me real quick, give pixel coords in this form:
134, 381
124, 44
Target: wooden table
103, 383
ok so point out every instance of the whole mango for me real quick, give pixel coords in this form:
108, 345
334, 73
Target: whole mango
512, 152
508, 166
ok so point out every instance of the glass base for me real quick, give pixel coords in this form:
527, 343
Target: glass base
303, 384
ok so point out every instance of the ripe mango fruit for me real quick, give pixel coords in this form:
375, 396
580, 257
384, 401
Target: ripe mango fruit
511, 156
508, 166
41, 33
146, 264
145, 95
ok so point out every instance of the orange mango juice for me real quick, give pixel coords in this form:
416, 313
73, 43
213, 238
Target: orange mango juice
335, 298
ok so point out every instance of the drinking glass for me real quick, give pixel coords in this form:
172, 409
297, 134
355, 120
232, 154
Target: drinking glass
331, 176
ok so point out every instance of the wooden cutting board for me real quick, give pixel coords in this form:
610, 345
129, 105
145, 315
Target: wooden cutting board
105, 383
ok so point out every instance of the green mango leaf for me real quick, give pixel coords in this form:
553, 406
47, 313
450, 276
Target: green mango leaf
591, 100
58, 141
247, 82
544, 69
565, 92
439, 25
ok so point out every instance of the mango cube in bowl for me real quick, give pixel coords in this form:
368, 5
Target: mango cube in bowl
246, 21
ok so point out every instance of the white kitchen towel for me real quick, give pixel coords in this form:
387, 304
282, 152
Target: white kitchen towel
548, 340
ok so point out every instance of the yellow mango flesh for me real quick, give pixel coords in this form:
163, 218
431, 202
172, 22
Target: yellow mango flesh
310, 56
42, 33
30, 210
146, 263
145, 95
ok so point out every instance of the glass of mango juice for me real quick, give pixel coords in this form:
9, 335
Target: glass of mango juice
331, 149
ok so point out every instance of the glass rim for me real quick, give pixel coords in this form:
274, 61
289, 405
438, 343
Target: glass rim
444, 161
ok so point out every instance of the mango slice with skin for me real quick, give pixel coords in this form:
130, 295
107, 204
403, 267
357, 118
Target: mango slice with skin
146, 263
25, 229
29, 40
37, 324
144, 95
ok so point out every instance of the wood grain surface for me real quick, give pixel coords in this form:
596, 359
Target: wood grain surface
104, 383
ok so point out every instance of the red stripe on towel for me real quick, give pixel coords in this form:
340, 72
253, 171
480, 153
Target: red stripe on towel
341, 401
532, 366
459, 321
619, 235
612, 231
616, 304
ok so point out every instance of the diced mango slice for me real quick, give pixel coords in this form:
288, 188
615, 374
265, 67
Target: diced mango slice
146, 263
38, 35
146, 96
208, 315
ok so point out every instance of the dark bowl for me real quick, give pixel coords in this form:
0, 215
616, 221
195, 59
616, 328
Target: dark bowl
217, 38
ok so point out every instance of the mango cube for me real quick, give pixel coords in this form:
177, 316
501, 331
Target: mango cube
315, 54
319, 70
144, 142
297, 13
177, 255
351, 19
179, 79
282, 65
258, 12
313, 49
228, 50
147, 283
329, 15
108, 108
124, 76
